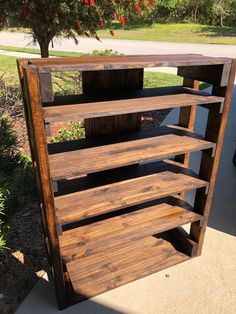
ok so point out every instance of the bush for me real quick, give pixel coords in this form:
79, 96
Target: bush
74, 131
16, 176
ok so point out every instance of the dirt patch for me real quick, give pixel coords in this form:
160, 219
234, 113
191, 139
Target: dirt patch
22, 265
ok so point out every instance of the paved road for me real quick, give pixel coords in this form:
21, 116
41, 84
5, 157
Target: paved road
122, 46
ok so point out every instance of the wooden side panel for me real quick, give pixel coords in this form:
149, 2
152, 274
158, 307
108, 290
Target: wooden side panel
37, 132
213, 74
46, 88
114, 80
187, 118
209, 166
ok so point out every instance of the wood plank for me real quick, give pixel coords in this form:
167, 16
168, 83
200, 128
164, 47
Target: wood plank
34, 113
119, 174
213, 74
121, 265
107, 96
124, 106
132, 135
215, 131
103, 199
112, 156
106, 82
124, 62
89, 239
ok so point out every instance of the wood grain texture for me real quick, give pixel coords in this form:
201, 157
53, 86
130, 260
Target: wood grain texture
34, 105
95, 159
89, 239
187, 117
100, 200
95, 274
114, 211
124, 106
213, 74
132, 135
215, 131
105, 82
124, 62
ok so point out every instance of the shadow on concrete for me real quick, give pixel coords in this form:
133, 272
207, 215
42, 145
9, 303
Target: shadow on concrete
43, 291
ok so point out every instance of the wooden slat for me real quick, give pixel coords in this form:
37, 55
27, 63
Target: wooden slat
36, 125
105, 82
215, 131
100, 200
110, 269
95, 159
213, 74
90, 239
124, 62
60, 147
124, 106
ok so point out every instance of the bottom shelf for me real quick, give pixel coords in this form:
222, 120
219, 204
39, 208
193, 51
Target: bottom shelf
106, 270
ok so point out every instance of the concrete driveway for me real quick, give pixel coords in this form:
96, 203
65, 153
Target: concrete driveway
122, 46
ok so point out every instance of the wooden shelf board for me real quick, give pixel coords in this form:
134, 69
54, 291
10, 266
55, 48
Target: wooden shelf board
66, 146
90, 160
92, 238
103, 199
117, 266
126, 103
124, 62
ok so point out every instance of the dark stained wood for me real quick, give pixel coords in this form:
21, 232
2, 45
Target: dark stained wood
114, 209
89, 239
106, 82
112, 81
125, 94
215, 130
103, 199
124, 62
187, 119
132, 135
213, 74
37, 131
120, 107
89, 160
46, 87
107, 270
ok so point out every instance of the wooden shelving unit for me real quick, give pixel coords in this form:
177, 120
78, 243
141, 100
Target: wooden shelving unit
113, 204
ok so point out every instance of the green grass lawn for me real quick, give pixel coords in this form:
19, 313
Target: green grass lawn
54, 53
174, 32
185, 33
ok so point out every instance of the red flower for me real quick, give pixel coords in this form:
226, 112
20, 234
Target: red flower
123, 20
137, 8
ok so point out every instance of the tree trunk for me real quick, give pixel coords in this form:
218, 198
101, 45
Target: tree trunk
44, 49
195, 12
221, 21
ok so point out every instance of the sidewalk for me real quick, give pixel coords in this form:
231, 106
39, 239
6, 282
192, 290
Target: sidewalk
205, 285
122, 46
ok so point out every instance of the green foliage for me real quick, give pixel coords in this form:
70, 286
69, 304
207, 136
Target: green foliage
16, 176
70, 18
74, 131
156, 79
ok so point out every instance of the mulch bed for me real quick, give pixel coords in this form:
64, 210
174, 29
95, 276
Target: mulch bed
22, 264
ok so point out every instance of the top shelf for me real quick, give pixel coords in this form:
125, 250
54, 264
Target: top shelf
123, 62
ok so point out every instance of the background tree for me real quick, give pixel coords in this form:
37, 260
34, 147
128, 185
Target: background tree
70, 18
